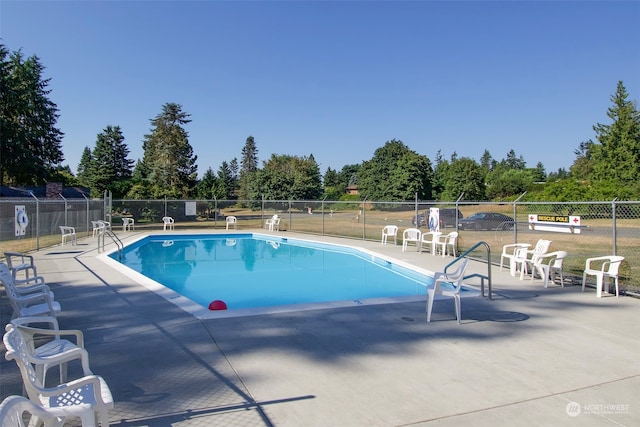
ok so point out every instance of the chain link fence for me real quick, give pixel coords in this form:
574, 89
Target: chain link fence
584, 230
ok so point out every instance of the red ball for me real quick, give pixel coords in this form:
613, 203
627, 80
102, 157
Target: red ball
218, 305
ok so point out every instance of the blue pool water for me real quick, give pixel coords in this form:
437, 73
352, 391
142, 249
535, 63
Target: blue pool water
247, 271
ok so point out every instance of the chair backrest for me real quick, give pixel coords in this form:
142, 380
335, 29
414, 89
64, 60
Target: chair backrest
6, 278
452, 237
17, 349
614, 265
455, 277
14, 408
231, 220
560, 256
411, 233
167, 219
390, 230
542, 247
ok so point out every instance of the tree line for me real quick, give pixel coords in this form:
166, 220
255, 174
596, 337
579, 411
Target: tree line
31, 154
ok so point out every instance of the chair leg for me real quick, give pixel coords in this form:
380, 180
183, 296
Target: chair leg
430, 298
456, 301
584, 280
615, 279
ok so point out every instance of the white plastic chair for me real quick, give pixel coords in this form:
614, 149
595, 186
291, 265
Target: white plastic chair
549, 266
68, 233
608, 270
524, 258
509, 252
95, 228
128, 224
19, 262
88, 397
273, 223
452, 289
53, 350
168, 223
31, 300
389, 231
231, 221
16, 410
430, 239
449, 241
411, 235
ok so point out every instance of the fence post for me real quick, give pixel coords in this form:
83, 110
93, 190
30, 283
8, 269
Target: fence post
322, 213
87, 200
515, 217
65, 208
364, 219
37, 220
614, 226
457, 209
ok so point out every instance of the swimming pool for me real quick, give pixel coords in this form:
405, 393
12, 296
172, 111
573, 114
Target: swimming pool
255, 273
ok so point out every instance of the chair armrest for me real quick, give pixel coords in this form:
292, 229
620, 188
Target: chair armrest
37, 280
24, 290
70, 387
28, 320
34, 332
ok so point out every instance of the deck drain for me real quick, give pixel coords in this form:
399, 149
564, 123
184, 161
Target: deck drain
407, 319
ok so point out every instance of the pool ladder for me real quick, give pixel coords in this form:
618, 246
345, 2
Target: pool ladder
114, 238
481, 276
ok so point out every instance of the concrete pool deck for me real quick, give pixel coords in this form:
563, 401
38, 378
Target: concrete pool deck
530, 356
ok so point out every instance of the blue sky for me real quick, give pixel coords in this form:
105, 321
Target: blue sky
336, 79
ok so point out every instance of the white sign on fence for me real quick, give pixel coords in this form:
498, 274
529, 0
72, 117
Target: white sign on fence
556, 223
21, 220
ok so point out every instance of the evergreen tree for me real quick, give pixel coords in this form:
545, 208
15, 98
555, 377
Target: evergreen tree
248, 168
396, 173
205, 187
285, 177
30, 142
617, 156
169, 156
84, 167
463, 176
110, 166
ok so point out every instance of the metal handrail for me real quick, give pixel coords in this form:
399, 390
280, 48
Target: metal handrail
115, 240
482, 277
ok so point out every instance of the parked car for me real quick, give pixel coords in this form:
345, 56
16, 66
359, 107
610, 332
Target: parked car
486, 221
447, 218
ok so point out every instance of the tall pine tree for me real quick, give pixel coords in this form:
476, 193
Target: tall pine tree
168, 156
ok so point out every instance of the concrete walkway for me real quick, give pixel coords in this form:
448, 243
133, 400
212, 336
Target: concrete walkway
529, 356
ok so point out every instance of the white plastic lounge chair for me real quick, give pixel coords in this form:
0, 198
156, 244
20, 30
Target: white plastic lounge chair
18, 411
31, 300
411, 235
68, 234
273, 223
88, 397
608, 270
549, 266
54, 350
448, 285
231, 221
509, 252
19, 262
128, 224
168, 223
389, 231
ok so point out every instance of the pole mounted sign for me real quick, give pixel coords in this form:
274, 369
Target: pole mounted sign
557, 223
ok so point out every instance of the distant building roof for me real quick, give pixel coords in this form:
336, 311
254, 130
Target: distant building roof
41, 192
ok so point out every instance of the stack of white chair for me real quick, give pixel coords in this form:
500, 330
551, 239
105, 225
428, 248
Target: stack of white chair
28, 297
35, 342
